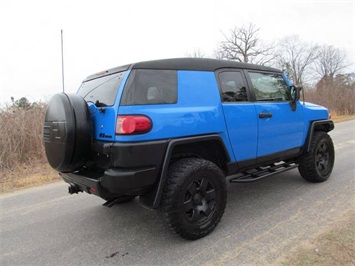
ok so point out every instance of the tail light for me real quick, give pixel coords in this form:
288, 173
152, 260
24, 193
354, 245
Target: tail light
132, 124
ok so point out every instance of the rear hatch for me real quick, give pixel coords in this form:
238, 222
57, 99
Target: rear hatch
100, 92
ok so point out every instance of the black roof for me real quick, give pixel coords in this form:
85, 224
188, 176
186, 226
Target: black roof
202, 64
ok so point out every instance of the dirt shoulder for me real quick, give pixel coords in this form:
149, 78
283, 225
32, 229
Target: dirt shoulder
342, 118
27, 176
333, 245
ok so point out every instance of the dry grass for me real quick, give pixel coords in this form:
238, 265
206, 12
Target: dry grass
21, 136
22, 160
335, 245
338, 97
25, 177
340, 118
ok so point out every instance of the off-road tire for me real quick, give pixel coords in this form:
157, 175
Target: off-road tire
317, 164
194, 198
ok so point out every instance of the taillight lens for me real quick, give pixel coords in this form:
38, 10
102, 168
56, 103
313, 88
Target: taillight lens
132, 124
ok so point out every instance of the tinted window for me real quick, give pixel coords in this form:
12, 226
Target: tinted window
147, 86
233, 87
101, 91
269, 87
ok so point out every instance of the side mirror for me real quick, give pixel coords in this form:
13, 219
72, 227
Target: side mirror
295, 92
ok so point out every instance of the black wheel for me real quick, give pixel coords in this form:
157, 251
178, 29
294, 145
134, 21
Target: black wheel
67, 132
317, 164
194, 198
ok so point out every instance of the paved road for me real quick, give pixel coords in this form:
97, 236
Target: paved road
47, 226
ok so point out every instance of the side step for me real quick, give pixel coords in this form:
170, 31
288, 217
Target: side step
261, 172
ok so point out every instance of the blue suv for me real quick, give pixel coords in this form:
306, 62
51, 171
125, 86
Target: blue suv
173, 131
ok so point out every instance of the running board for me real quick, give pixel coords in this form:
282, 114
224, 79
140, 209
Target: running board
261, 172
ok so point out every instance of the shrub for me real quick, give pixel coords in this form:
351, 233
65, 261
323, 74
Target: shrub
21, 136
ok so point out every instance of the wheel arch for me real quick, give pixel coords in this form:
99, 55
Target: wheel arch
320, 125
210, 147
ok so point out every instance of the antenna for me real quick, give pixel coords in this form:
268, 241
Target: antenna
61, 35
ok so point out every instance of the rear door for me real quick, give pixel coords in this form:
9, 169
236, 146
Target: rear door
280, 130
240, 114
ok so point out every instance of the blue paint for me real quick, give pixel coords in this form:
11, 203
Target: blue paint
104, 118
283, 131
288, 82
199, 111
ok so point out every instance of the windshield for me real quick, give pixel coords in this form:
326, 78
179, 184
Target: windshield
101, 91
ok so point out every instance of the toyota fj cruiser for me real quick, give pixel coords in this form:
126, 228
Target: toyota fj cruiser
171, 131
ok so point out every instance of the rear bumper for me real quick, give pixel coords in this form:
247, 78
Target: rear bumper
131, 169
113, 182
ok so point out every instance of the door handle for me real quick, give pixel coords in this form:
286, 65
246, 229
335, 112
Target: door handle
265, 115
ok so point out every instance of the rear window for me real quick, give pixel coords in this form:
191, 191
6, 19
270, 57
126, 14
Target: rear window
101, 91
148, 86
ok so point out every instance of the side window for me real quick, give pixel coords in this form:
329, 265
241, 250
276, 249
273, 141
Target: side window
148, 86
269, 87
101, 91
233, 86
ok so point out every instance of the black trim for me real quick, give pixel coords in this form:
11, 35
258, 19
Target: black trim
236, 167
198, 64
139, 154
244, 80
113, 182
251, 87
202, 64
279, 156
132, 154
126, 168
319, 125
158, 190
82, 182
258, 173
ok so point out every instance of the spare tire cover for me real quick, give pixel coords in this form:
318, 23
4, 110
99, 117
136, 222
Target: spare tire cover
67, 132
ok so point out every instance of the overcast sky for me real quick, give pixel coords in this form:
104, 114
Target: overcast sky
103, 34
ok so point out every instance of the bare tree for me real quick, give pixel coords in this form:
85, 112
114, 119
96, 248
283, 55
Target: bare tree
295, 57
196, 53
244, 45
330, 61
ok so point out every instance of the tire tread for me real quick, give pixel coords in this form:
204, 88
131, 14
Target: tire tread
175, 179
307, 167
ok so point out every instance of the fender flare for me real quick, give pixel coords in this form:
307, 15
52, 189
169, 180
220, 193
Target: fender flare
165, 166
320, 125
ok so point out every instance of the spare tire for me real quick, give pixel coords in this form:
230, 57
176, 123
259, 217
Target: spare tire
67, 132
